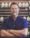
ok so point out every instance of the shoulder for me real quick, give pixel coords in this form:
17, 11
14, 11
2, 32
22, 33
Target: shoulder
22, 19
7, 19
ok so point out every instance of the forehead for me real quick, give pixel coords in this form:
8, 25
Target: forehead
14, 6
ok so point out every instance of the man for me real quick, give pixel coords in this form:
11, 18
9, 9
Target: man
14, 26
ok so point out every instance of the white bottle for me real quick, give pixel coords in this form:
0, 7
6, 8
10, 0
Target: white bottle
24, 17
9, 4
6, 4
20, 5
27, 18
2, 5
23, 4
27, 5
1, 18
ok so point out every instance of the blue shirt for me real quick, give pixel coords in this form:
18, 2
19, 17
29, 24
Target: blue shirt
18, 24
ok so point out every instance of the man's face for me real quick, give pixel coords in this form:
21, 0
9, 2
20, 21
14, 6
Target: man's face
14, 10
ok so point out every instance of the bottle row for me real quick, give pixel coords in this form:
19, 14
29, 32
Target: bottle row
20, 4
2, 18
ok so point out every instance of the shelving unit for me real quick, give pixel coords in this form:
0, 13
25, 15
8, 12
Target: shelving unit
24, 12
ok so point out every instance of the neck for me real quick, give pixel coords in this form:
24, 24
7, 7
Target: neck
14, 17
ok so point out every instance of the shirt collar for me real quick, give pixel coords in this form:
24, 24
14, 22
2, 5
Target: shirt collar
16, 19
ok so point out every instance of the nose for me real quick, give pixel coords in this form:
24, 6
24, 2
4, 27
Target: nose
14, 9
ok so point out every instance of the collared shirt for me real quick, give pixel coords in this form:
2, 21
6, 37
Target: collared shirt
18, 24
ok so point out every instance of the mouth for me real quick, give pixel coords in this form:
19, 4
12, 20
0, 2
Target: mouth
14, 12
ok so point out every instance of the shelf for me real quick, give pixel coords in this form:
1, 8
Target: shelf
10, 12
23, 7
27, 36
28, 21
9, 7
4, 7
24, 11
2, 10
23, 15
10, 15
5, 12
5, 15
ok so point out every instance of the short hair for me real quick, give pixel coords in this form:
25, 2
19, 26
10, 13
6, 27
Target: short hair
14, 3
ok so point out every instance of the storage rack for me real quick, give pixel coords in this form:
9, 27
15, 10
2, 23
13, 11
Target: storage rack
5, 13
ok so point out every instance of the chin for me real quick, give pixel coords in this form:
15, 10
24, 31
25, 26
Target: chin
15, 15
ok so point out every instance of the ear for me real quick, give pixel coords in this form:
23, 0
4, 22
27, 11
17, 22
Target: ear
10, 9
18, 9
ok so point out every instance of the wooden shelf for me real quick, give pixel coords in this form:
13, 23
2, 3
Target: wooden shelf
10, 15
5, 12
23, 15
10, 12
5, 15
9, 7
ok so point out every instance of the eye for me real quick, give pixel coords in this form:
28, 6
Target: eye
12, 8
15, 8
